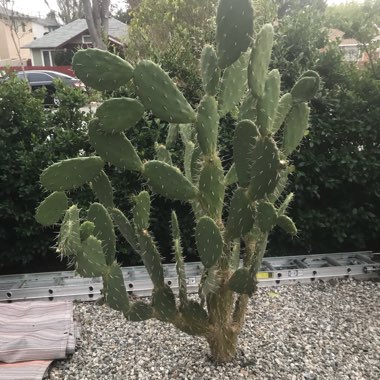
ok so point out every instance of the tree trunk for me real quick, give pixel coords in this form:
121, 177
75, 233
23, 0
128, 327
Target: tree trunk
94, 15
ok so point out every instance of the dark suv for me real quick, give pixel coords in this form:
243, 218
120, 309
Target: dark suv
45, 78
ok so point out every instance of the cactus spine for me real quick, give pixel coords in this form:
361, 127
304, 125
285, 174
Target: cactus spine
235, 78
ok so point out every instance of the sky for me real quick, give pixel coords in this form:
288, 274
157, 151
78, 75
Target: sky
39, 8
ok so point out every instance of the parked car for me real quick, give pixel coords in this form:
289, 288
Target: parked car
45, 78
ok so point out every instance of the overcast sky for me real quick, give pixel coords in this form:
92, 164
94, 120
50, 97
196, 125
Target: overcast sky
38, 7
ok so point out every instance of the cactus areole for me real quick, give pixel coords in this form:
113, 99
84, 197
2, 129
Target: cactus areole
235, 78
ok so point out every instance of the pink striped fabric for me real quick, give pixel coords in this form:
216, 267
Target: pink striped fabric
34, 333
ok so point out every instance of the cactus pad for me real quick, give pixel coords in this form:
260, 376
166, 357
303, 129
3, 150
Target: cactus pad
244, 141
119, 114
139, 311
86, 229
210, 70
125, 227
296, 125
172, 135
159, 94
233, 86
305, 89
259, 60
207, 125
102, 188
195, 317
234, 29
101, 70
69, 242
266, 216
104, 230
163, 302
141, 210
211, 187
168, 181
114, 290
247, 109
241, 215
91, 261
287, 224
231, 176
265, 168
71, 173
242, 282
115, 148
52, 208
284, 106
268, 103
209, 241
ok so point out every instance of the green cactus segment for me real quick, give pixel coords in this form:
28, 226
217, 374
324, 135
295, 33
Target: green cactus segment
186, 132
69, 242
235, 256
195, 317
163, 302
104, 230
114, 290
281, 185
266, 216
151, 258
265, 168
312, 74
210, 282
244, 141
242, 282
284, 106
296, 125
241, 215
71, 173
168, 181
207, 125
247, 109
90, 262
125, 227
234, 30
86, 230
180, 264
259, 61
139, 311
234, 85
196, 164
285, 204
102, 188
211, 187
159, 94
305, 89
209, 241
52, 208
187, 157
172, 135
101, 70
119, 114
231, 176
268, 103
116, 148
210, 70
141, 210
287, 225
163, 154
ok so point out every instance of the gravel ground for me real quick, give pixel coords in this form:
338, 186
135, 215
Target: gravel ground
308, 332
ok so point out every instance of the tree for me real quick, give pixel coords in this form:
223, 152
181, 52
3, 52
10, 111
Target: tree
70, 10
97, 13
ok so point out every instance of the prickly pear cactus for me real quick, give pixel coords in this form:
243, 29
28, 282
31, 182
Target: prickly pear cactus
269, 128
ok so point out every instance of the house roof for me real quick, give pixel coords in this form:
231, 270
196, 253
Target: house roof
336, 34
56, 38
9, 12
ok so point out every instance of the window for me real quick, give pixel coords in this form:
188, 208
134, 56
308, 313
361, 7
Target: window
46, 58
86, 39
39, 77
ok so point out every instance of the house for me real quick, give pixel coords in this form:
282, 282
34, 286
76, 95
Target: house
351, 48
25, 29
15, 31
58, 47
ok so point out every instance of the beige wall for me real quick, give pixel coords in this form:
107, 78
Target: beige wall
8, 51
